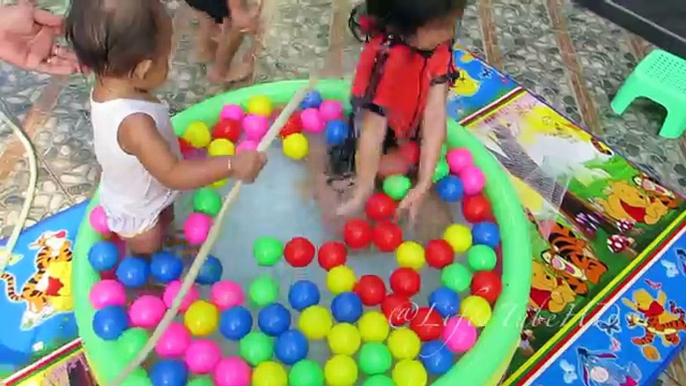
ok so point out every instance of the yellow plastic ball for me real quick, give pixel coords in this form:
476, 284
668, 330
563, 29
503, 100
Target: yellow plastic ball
404, 344
373, 326
340, 279
315, 322
340, 370
218, 184
344, 339
269, 374
409, 373
221, 146
459, 237
201, 318
260, 105
476, 309
197, 134
411, 255
296, 146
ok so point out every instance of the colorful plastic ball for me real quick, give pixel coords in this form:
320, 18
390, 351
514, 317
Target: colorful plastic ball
103, 256
387, 236
405, 281
371, 289
302, 294
336, 132
197, 134
173, 289
231, 111
260, 105
197, 227
107, 293
255, 127
232, 371
397, 186
450, 189
291, 347
332, 254
174, 341
293, 125
344, 339
201, 318
226, 294
306, 373
409, 373
228, 129
357, 234
169, 372
473, 180
442, 170
379, 380
459, 335
133, 272
312, 121
210, 272
486, 284
436, 357
411, 255
267, 250
235, 323
256, 348
458, 159
486, 233
340, 279
313, 99
476, 309
299, 252
139, 377
346, 307
445, 301
439, 254
218, 184
202, 356
221, 147
269, 374
246, 145
398, 309
165, 267
456, 277
201, 381
476, 209
459, 237
147, 311
263, 290
373, 326
331, 110
427, 324
379, 207
274, 319
410, 152
375, 358
131, 342
98, 220
404, 344
315, 322
481, 258
110, 322
340, 370
186, 149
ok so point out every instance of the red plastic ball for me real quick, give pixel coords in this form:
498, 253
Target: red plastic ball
371, 289
357, 234
109, 275
227, 129
185, 146
299, 252
405, 281
292, 126
439, 253
380, 207
487, 285
427, 323
410, 151
476, 209
387, 236
332, 254
398, 309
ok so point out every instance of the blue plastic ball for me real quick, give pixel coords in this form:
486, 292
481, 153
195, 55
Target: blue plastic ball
166, 267
210, 272
110, 322
312, 100
336, 132
235, 323
346, 307
133, 272
302, 294
450, 188
169, 372
486, 233
291, 347
103, 256
274, 319
436, 357
445, 301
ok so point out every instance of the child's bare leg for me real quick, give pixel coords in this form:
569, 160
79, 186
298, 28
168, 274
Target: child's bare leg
228, 45
206, 46
432, 219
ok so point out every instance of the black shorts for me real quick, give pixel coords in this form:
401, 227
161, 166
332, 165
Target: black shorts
216, 9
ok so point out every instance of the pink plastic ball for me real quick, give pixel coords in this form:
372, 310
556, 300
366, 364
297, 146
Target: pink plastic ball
473, 180
147, 311
196, 228
459, 335
232, 112
255, 127
246, 145
226, 294
331, 110
458, 160
174, 341
173, 289
312, 121
232, 371
98, 220
107, 293
202, 356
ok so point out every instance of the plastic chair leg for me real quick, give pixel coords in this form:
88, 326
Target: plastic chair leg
674, 125
626, 95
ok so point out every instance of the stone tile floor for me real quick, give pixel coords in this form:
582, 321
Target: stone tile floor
573, 59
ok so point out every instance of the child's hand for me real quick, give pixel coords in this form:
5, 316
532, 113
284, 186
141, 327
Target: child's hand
247, 164
413, 201
356, 203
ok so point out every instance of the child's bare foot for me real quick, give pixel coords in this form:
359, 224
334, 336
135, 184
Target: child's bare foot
432, 219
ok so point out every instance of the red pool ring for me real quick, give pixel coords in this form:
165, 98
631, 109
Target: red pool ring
398, 309
380, 207
427, 323
410, 152
405, 281
439, 253
371, 290
357, 234
292, 126
387, 236
299, 252
227, 129
476, 209
332, 254
487, 285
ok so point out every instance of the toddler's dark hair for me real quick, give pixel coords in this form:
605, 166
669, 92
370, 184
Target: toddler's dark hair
404, 17
111, 37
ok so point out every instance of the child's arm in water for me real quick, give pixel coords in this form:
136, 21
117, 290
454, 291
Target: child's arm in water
139, 137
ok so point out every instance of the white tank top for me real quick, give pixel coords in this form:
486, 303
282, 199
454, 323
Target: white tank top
129, 194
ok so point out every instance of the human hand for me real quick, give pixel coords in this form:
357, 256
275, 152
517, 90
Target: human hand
356, 203
413, 201
247, 164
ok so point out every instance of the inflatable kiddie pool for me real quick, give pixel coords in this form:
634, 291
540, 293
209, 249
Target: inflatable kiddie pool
275, 206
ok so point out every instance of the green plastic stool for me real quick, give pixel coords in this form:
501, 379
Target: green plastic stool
660, 77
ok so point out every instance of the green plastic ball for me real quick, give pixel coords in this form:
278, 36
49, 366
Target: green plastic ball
306, 373
456, 277
267, 250
444, 150
263, 290
256, 348
379, 380
206, 200
139, 377
481, 258
201, 382
441, 171
375, 358
131, 342
397, 186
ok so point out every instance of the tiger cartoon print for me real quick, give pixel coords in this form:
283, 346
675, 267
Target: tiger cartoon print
48, 290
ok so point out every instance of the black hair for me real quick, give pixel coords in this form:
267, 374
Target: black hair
403, 17
111, 37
